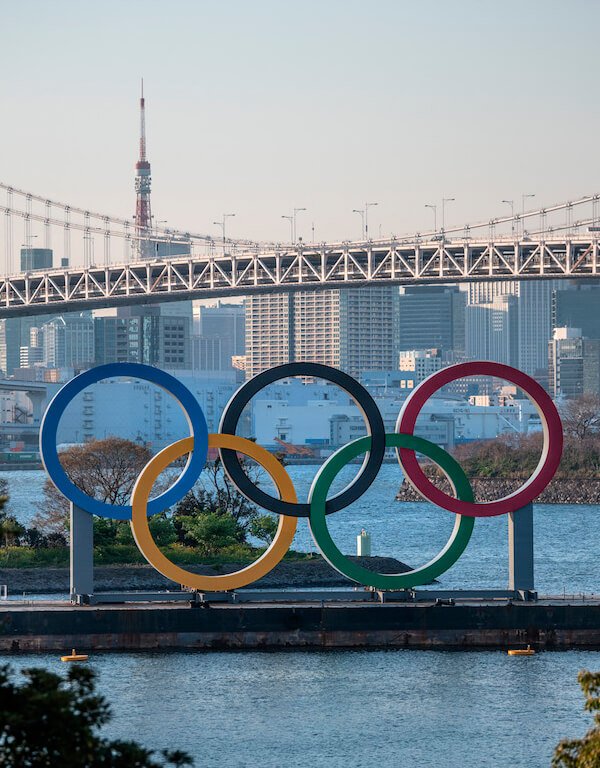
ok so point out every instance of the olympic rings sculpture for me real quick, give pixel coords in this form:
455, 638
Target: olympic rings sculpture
320, 504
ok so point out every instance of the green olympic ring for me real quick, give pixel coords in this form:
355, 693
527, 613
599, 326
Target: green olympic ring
456, 545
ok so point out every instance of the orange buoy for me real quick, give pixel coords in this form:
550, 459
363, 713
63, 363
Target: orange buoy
74, 656
521, 651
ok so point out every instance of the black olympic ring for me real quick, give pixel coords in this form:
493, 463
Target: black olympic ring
367, 406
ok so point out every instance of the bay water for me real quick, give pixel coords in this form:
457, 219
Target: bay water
341, 708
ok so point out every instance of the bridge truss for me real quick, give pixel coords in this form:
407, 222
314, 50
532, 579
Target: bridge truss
103, 264
338, 266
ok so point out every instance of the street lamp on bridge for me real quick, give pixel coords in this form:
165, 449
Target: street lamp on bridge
444, 201
523, 198
296, 211
364, 215
512, 213
362, 219
222, 225
434, 209
291, 220
367, 206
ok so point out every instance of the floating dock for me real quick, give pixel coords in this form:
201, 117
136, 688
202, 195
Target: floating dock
556, 623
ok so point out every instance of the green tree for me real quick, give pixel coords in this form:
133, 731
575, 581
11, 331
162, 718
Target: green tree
50, 721
11, 530
264, 528
161, 528
584, 752
215, 515
211, 532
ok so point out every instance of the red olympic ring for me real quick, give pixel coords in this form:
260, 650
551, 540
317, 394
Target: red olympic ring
551, 451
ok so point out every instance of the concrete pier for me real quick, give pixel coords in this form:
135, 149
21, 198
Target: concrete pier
546, 624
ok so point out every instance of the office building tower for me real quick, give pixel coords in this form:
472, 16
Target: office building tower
317, 331
369, 339
143, 336
491, 321
207, 354
10, 345
534, 319
485, 291
33, 353
111, 340
578, 306
591, 366
15, 331
269, 331
535, 325
69, 342
220, 336
565, 363
492, 330
433, 317
354, 329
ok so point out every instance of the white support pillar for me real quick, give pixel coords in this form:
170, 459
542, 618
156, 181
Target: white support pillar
82, 552
520, 549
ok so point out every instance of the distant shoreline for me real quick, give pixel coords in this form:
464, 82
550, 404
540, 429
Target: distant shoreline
575, 490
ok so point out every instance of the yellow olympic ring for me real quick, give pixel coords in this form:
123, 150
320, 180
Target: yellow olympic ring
265, 563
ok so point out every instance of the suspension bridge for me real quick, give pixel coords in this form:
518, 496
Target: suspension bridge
107, 261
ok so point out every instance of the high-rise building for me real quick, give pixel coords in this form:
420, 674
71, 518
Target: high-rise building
10, 345
591, 366
578, 306
69, 342
143, 336
484, 291
15, 331
269, 331
354, 329
433, 317
220, 336
207, 354
535, 325
533, 322
369, 339
317, 317
33, 353
565, 363
491, 321
492, 330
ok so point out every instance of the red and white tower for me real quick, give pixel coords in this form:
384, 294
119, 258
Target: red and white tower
143, 180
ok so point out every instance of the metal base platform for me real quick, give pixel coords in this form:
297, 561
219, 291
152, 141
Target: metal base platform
436, 596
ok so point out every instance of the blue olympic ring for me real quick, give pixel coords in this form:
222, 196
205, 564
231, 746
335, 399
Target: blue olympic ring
193, 413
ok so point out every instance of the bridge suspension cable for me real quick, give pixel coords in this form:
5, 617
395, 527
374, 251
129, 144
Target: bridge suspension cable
87, 239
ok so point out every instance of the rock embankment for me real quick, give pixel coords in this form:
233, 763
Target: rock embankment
560, 491
313, 572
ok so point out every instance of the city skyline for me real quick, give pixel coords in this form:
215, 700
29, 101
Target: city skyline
432, 142
299, 371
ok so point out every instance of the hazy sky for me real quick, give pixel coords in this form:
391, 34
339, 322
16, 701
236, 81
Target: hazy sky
255, 107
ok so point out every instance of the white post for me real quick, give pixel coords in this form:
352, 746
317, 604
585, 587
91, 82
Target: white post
363, 544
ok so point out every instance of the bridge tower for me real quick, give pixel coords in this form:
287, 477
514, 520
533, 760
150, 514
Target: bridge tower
143, 180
